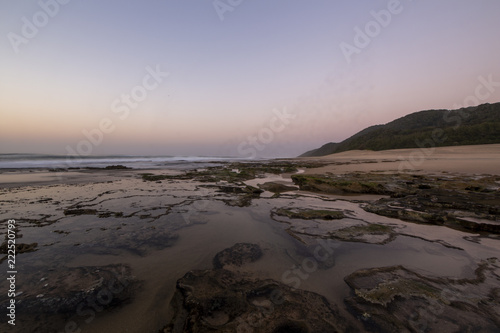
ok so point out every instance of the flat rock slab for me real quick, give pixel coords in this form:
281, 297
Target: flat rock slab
63, 290
277, 187
237, 255
224, 301
396, 299
220, 300
48, 300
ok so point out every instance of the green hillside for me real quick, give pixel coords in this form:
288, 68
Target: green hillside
467, 126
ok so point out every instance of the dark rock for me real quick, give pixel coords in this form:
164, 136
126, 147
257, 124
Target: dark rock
117, 167
50, 298
220, 300
370, 234
224, 301
253, 191
231, 189
310, 214
244, 196
57, 170
346, 184
464, 211
277, 188
396, 299
20, 248
237, 255
80, 211
68, 287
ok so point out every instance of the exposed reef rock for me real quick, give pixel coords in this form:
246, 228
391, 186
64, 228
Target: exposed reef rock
223, 301
466, 203
232, 172
80, 211
117, 167
51, 297
20, 248
277, 187
62, 291
219, 300
364, 232
452, 208
369, 233
244, 194
237, 255
310, 214
345, 184
109, 167
396, 299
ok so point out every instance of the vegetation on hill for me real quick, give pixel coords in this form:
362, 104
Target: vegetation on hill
437, 128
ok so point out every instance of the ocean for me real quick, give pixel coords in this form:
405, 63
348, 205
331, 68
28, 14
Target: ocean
38, 161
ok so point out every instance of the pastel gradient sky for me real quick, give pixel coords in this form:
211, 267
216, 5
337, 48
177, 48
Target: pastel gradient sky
227, 76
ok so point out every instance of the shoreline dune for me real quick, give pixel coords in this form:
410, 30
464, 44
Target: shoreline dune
477, 159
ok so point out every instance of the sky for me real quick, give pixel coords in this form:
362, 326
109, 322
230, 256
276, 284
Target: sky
233, 77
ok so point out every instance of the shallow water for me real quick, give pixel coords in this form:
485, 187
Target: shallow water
163, 230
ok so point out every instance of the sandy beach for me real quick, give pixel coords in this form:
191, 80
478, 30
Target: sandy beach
481, 159
347, 242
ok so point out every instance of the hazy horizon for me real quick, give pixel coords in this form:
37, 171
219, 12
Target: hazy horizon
235, 155
237, 78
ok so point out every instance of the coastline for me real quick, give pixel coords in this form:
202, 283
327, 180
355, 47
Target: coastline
312, 229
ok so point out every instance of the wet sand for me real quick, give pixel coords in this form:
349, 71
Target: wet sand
161, 228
